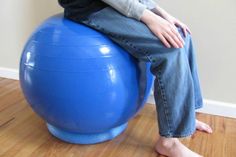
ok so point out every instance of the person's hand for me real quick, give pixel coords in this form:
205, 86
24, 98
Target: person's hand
164, 14
163, 29
177, 22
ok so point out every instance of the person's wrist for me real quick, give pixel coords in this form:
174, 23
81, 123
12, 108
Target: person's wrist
159, 11
147, 16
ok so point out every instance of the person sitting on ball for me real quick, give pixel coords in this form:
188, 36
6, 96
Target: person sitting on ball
149, 33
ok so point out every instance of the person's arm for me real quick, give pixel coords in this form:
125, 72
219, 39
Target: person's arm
160, 27
129, 8
151, 4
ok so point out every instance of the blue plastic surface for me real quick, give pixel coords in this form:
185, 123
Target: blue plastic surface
86, 138
78, 80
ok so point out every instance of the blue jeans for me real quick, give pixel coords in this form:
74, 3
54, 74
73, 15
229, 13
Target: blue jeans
176, 86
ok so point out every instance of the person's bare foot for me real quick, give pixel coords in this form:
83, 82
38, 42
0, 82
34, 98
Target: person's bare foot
201, 126
172, 147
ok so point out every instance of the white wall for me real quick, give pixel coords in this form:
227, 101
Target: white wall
213, 23
18, 18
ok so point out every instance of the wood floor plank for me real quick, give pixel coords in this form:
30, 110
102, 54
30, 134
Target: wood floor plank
4, 82
10, 98
24, 134
5, 89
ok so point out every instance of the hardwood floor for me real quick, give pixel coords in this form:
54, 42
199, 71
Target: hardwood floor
24, 134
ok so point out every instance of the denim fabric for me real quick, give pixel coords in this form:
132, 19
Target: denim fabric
176, 86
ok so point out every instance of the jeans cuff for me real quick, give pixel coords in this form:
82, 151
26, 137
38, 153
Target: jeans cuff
184, 133
189, 133
199, 104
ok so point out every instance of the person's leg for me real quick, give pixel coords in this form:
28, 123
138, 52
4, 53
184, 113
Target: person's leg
173, 85
190, 52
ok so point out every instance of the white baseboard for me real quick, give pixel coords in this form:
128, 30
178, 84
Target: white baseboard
9, 73
210, 106
218, 108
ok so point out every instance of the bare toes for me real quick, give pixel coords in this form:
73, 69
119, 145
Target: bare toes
203, 126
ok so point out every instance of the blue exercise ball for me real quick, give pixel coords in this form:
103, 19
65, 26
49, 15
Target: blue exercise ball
85, 86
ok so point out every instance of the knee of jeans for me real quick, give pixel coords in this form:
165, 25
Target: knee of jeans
188, 38
181, 32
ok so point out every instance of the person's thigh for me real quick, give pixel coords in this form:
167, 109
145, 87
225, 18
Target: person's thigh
132, 35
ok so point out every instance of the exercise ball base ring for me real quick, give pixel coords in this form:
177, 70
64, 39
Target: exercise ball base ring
77, 138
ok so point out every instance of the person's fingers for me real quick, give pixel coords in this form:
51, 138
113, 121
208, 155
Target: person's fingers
188, 30
174, 36
184, 28
171, 39
175, 31
164, 41
185, 32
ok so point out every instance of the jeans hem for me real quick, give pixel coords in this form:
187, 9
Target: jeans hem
178, 135
198, 107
